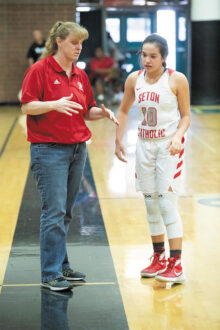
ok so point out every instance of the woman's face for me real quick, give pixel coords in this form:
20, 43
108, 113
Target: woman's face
151, 57
70, 48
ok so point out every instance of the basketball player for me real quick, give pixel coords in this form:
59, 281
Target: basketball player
162, 98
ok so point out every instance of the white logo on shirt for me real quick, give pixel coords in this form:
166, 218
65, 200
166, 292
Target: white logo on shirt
57, 82
80, 86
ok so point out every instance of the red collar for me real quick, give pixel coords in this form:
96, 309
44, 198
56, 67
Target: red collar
58, 68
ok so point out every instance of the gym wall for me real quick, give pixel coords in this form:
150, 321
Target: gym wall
17, 21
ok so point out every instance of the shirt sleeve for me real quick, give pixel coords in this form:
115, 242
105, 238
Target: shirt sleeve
30, 52
93, 65
33, 84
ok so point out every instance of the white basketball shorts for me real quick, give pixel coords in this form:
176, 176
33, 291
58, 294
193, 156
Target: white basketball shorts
156, 169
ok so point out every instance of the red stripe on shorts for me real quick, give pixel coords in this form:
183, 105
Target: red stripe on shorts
179, 164
181, 153
177, 174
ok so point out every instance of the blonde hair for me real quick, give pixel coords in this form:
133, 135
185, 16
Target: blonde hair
62, 30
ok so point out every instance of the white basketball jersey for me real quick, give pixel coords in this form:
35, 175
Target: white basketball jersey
158, 107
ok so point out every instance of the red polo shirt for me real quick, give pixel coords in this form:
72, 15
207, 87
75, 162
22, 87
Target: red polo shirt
105, 62
47, 81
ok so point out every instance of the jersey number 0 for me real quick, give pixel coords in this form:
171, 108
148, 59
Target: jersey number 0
150, 116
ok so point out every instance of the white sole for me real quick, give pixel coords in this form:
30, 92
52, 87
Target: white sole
73, 279
152, 274
180, 279
52, 288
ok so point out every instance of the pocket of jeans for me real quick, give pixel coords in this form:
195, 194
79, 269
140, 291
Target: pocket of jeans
46, 145
79, 150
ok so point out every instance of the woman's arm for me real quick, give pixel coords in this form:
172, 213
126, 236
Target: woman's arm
182, 92
63, 105
96, 113
122, 116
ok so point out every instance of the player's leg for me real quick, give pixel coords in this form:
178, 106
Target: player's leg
145, 181
167, 167
157, 229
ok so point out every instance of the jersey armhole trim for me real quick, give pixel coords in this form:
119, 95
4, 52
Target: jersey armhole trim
170, 71
140, 71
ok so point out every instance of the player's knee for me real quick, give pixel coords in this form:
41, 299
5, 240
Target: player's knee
153, 215
152, 207
169, 212
168, 207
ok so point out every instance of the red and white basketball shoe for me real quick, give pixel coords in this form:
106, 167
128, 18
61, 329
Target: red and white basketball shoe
157, 266
173, 273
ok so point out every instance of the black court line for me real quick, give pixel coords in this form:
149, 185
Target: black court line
95, 306
8, 136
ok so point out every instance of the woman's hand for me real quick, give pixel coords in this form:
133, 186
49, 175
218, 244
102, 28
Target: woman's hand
65, 105
120, 151
175, 145
109, 114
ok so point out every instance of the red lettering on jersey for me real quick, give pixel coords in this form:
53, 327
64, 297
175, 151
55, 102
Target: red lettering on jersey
139, 101
152, 94
151, 134
157, 96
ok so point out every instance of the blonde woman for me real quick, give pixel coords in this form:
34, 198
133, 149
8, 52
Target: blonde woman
57, 99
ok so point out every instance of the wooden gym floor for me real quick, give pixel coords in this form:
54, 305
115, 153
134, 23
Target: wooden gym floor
109, 237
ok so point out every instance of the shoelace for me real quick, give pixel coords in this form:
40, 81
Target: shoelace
155, 258
68, 271
171, 263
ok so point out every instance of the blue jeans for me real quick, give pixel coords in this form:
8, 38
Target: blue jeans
58, 170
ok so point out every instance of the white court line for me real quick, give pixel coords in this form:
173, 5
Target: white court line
203, 142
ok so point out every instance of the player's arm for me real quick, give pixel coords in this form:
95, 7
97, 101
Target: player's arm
30, 61
122, 115
182, 92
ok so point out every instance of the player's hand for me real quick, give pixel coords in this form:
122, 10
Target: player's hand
65, 105
120, 152
109, 114
175, 145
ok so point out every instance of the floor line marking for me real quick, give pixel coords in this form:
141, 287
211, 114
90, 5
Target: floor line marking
13, 179
206, 106
73, 283
203, 142
8, 136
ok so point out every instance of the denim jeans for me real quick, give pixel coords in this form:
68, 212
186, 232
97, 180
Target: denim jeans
58, 170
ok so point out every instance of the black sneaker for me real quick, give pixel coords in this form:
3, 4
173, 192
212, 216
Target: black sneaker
59, 284
71, 275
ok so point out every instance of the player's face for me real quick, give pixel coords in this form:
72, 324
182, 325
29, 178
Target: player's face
70, 48
151, 57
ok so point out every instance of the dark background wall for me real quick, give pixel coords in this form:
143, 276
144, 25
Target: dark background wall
17, 21
205, 87
92, 21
